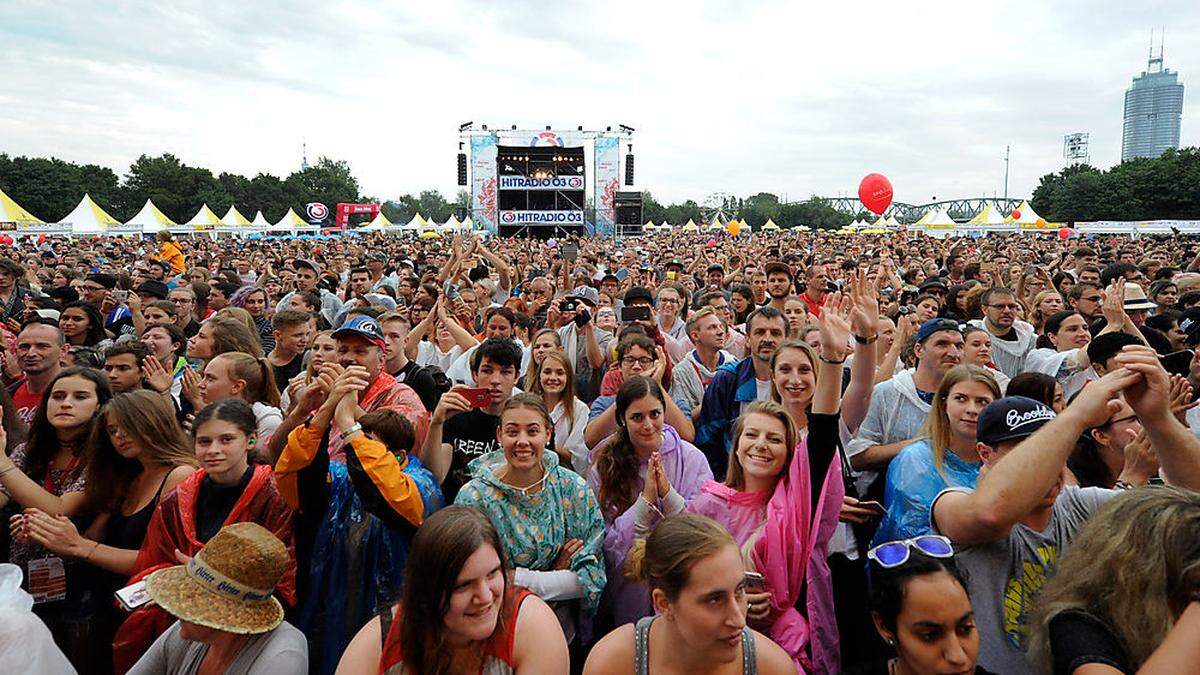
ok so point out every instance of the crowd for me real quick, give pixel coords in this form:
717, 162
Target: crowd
773, 453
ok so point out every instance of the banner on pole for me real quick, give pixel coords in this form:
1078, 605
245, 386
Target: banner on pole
607, 158
483, 182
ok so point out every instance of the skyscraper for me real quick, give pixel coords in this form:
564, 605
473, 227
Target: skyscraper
1153, 110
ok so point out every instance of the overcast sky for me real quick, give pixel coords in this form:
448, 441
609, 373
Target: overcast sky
795, 98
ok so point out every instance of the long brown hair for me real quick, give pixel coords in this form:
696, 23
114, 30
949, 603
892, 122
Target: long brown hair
231, 335
42, 441
531, 377
147, 419
616, 461
256, 373
937, 425
568, 394
438, 553
1137, 557
735, 477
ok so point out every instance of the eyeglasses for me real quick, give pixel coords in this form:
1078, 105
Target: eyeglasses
635, 361
896, 553
1092, 298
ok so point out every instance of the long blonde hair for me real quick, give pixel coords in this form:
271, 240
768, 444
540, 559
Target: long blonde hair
937, 425
1132, 566
568, 393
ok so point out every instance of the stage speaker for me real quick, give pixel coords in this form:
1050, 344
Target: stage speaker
462, 168
628, 207
629, 169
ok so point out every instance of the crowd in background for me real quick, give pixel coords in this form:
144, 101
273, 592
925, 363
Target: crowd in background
777, 452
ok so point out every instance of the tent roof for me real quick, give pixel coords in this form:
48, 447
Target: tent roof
378, 223
770, 223
89, 218
289, 221
990, 215
12, 212
151, 219
204, 218
260, 221
234, 218
1028, 215
940, 218
925, 218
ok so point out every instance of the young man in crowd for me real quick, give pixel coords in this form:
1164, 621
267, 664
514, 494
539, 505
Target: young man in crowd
816, 278
459, 430
707, 331
778, 285
736, 385
308, 273
123, 365
184, 300
395, 328
292, 338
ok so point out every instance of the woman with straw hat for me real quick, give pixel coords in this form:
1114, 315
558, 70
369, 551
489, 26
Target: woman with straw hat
229, 620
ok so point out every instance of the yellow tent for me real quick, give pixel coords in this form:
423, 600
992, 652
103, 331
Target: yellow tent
12, 212
690, 226
234, 218
289, 222
770, 225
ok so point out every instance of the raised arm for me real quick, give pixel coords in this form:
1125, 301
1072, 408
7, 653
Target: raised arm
461, 337
1177, 448
864, 323
1011, 488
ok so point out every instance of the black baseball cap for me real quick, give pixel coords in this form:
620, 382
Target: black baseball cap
153, 287
638, 293
1011, 418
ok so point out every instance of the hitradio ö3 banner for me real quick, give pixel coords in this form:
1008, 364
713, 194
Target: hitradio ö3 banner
483, 182
607, 182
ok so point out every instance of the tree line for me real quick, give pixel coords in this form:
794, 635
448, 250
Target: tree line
1158, 188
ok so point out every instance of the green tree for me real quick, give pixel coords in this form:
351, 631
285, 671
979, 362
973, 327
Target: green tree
328, 182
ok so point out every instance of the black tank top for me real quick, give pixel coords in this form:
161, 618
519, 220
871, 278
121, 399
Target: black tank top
128, 531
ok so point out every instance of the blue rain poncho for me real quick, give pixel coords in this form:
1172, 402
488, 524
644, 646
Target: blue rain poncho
912, 484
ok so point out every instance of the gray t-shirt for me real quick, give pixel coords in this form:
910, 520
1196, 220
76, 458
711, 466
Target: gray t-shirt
283, 651
1003, 577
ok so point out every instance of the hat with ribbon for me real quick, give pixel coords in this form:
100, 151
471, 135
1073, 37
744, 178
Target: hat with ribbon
228, 584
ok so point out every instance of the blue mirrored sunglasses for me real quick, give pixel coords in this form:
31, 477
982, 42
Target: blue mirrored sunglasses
895, 553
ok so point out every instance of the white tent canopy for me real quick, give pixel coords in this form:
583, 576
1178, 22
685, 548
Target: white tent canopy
259, 224
234, 218
89, 218
150, 219
379, 223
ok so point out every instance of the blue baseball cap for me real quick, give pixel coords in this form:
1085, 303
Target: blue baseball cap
936, 325
363, 326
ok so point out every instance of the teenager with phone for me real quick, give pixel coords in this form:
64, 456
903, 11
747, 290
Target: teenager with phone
463, 425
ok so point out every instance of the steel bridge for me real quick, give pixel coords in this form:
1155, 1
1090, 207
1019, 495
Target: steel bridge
959, 209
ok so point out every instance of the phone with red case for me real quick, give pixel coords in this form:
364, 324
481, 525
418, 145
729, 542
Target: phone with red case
477, 397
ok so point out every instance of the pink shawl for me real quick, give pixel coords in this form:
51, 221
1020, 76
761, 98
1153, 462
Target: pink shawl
792, 546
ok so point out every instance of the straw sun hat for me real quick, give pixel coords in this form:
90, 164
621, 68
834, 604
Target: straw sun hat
228, 584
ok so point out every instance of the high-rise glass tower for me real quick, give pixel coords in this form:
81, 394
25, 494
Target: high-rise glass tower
1153, 110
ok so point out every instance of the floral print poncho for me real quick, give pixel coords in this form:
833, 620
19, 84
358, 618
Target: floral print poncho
534, 527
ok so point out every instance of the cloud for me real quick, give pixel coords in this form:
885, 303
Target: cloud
794, 98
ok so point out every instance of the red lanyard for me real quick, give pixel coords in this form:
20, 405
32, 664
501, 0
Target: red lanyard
70, 466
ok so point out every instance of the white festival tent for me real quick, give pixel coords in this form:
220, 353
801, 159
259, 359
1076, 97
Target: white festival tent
89, 218
379, 224
259, 224
150, 220
204, 221
290, 223
415, 224
234, 219
451, 225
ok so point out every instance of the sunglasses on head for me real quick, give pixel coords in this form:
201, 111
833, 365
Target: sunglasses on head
896, 553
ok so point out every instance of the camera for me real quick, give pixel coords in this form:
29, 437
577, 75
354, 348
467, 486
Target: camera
906, 310
569, 305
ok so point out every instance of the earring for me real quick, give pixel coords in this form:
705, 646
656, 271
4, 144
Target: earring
890, 642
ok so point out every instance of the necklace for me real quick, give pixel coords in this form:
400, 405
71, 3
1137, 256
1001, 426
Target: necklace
525, 490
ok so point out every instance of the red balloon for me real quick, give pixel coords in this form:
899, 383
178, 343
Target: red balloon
1016, 214
1065, 232
712, 243
875, 192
